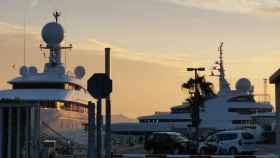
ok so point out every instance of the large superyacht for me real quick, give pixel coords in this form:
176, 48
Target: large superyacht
228, 109
62, 98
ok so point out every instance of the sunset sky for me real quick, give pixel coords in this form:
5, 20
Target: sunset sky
152, 42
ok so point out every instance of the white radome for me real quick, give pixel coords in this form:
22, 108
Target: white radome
80, 72
243, 85
53, 33
23, 71
33, 70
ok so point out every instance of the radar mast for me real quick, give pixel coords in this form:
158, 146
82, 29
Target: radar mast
223, 83
56, 15
53, 35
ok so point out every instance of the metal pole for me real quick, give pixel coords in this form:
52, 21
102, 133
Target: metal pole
107, 61
196, 106
10, 133
91, 131
99, 130
26, 141
18, 132
1, 132
277, 103
27, 132
32, 134
108, 108
36, 130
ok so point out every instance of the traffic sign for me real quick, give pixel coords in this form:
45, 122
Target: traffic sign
99, 85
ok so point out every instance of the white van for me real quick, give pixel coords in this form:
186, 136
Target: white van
232, 142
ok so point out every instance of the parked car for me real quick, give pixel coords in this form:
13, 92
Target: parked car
168, 143
229, 142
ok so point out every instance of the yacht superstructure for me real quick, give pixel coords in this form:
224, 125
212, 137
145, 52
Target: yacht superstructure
229, 109
62, 98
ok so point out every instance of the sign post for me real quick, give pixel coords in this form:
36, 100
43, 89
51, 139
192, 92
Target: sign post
99, 139
91, 130
108, 143
99, 86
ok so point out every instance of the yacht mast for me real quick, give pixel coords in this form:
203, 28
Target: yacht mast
223, 84
53, 35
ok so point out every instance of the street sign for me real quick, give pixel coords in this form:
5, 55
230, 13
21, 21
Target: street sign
99, 85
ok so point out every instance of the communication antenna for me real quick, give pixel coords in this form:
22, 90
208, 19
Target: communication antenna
53, 35
221, 62
66, 41
24, 34
265, 86
65, 57
56, 15
219, 67
265, 89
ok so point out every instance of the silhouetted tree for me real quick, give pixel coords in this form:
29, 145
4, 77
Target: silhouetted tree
206, 89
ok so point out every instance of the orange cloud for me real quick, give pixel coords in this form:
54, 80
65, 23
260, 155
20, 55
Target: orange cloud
233, 6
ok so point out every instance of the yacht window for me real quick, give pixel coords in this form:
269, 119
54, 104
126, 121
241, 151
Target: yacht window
247, 98
244, 122
59, 105
38, 86
175, 120
42, 85
48, 104
248, 110
68, 106
164, 120
70, 86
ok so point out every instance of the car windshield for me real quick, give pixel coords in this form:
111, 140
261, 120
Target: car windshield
247, 136
179, 138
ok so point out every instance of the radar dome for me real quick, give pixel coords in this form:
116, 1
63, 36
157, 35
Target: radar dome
80, 72
243, 84
23, 71
33, 70
53, 33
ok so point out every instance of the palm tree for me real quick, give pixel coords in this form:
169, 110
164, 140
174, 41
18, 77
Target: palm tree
205, 89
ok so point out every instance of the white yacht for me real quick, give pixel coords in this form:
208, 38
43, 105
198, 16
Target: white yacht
62, 98
228, 109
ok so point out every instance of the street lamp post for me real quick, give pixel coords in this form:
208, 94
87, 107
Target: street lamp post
195, 106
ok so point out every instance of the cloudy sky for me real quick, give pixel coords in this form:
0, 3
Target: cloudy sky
152, 42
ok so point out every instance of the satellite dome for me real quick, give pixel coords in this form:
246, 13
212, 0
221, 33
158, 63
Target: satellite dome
23, 71
80, 72
243, 85
33, 70
53, 33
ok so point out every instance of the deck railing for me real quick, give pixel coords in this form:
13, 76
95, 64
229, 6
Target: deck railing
262, 98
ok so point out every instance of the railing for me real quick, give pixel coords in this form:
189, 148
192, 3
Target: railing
262, 98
